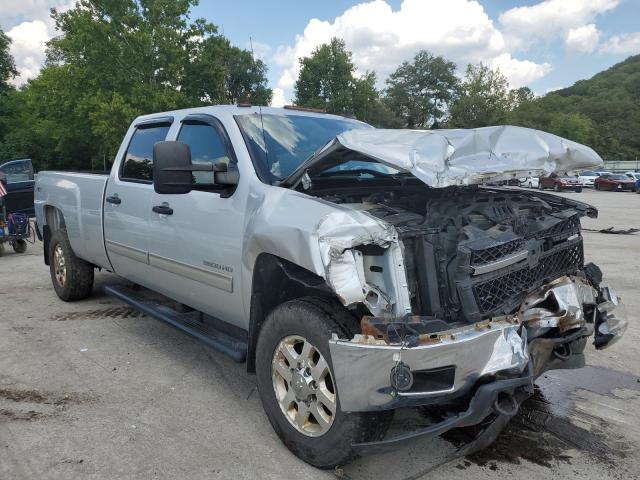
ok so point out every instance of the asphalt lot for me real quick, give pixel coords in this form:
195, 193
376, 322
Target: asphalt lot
94, 390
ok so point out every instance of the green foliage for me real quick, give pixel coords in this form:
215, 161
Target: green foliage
485, 99
7, 65
328, 81
114, 60
602, 112
420, 92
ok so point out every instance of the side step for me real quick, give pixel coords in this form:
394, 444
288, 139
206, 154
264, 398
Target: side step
214, 338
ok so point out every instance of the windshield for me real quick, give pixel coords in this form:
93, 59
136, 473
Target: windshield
589, 173
619, 176
278, 144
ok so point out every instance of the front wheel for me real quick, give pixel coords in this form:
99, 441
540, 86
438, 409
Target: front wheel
71, 276
579, 189
297, 386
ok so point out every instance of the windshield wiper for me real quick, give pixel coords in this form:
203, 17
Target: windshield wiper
355, 172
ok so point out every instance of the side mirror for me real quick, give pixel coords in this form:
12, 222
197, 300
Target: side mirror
171, 168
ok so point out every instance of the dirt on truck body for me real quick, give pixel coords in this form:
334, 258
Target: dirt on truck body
355, 270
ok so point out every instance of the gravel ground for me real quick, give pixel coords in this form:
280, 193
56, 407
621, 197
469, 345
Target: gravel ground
94, 390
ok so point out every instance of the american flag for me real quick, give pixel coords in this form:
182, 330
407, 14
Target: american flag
3, 190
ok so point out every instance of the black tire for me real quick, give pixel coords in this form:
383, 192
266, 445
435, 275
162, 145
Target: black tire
1, 249
597, 186
579, 189
314, 319
77, 280
19, 246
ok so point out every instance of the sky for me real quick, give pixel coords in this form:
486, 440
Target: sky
545, 45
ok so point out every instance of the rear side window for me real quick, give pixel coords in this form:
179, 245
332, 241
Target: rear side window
138, 161
206, 145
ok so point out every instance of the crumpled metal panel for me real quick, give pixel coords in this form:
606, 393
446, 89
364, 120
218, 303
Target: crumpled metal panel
441, 158
362, 365
558, 304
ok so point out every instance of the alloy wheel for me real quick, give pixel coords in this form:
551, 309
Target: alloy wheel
303, 386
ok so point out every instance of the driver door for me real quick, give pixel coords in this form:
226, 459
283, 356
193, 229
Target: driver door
196, 249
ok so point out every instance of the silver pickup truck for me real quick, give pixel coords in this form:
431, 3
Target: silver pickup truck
355, 270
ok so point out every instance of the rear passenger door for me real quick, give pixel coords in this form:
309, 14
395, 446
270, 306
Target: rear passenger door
127, 205
196, 250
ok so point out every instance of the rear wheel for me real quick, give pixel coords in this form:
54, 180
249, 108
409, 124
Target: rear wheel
578, 190
71, 276
19, 246
296, 383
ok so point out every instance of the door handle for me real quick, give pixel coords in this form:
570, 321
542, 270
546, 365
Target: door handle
115, 199
163, 209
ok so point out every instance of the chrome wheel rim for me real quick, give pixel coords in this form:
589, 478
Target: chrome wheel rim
303, 386
59, 265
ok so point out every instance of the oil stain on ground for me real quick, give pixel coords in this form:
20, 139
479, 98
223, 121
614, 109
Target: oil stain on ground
546, 428
38, 404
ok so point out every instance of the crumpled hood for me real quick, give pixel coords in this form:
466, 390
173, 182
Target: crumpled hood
441, 158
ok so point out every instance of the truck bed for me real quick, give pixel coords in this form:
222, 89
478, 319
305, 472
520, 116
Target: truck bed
79, 196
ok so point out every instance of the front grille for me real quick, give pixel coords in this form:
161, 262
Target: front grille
494, 293
571, 224
492, 254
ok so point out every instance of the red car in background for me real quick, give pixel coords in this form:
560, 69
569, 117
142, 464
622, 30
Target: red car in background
558, 183
614, 181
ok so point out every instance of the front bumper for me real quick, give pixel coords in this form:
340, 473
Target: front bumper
550, 331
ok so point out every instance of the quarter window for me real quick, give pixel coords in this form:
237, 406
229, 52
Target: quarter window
138, 161
206, 145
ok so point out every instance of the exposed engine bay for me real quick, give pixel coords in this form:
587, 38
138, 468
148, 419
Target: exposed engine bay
474, 253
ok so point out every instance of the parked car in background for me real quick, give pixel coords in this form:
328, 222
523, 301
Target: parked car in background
614, 181
529, 182
19, 177
587, 178
599, 173
635, 176
560, 182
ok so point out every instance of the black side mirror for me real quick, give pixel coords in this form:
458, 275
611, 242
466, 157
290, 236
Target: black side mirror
172, 168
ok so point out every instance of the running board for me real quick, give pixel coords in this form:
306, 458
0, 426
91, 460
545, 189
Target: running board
214, 338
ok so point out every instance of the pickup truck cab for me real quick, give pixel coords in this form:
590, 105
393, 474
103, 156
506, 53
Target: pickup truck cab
355, 270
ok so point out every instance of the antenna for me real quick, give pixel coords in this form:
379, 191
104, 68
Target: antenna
253, 57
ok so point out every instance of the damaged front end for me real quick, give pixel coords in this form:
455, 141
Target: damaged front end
485, 369
466, 297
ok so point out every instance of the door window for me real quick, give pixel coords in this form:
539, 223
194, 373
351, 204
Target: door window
138, 161
206, 145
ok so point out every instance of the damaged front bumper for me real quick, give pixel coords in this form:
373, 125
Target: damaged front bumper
414, 361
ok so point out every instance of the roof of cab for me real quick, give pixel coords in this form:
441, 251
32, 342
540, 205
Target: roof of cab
231, 110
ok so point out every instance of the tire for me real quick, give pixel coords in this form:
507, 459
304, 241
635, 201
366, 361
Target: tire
71, 276
19, 246
579, 189
596, 186
540, 186
314, 320
1, 249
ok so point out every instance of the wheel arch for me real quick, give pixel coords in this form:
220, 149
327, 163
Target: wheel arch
275, 281
53, 221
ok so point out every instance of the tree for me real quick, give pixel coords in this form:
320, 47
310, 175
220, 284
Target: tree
114, 60
7, 65
326, 79
485, 98
421, 91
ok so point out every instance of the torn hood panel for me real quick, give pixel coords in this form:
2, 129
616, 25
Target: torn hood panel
442, 158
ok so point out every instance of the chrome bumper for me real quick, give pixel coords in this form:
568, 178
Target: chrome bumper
445, 365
